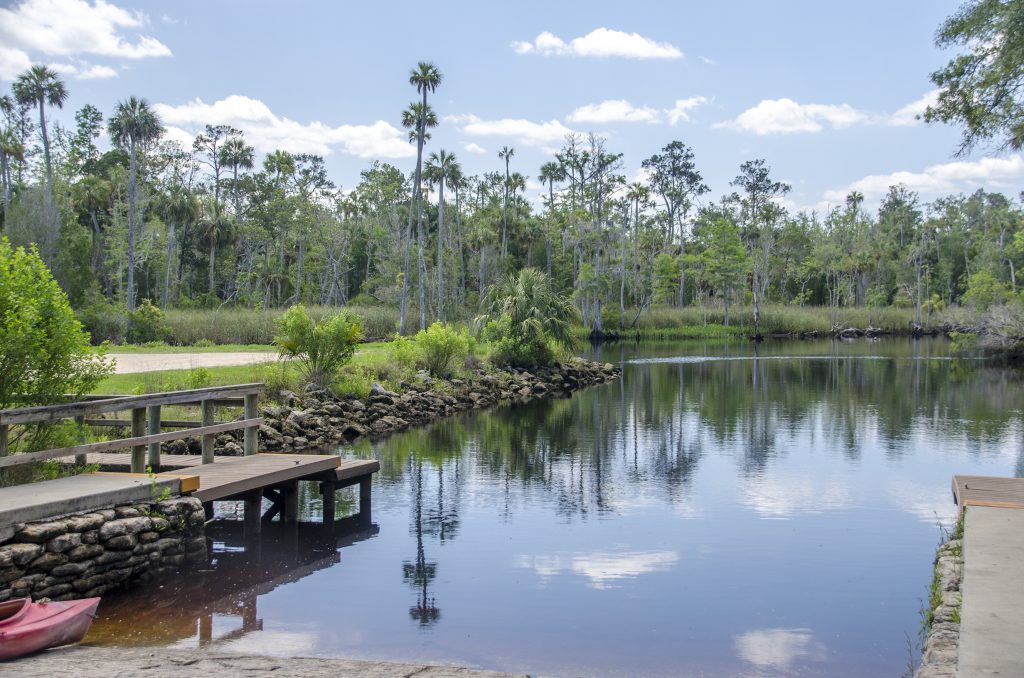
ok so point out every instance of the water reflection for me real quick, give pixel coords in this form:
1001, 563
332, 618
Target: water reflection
698, 516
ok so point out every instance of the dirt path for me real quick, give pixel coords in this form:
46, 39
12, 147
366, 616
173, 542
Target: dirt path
105, 662
149, 362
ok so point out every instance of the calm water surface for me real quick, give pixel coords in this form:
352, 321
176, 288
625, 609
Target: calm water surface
714, 512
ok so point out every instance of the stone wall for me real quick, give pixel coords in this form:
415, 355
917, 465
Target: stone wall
942, 644
88, 554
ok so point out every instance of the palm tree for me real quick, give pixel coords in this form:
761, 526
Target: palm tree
531, 311
10, 147
212, 229
237, 154
505, 154
441, 168
93, 194
426, 78
133, 124
177, 206
40, 86
550, 172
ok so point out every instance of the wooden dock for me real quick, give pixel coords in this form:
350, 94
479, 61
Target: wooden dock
988, 491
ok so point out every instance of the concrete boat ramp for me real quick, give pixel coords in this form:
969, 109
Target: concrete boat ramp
992, 613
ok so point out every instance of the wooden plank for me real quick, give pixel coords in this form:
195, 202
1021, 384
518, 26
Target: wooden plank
126, 442
3, 440
28, 415
164, 423
152, 428
988, 491
234, 477
251, 439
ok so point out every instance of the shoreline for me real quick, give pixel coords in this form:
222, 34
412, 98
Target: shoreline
102, 662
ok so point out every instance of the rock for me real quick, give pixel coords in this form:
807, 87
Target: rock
377, 389
122, 543
127, 512
233, 449
19, 554
64, 542
268, 433
47, 562
300, 443
118, 528
68, 569
84, 523
84, 552
38, 533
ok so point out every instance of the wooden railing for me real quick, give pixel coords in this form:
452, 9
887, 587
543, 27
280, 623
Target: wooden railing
145, 422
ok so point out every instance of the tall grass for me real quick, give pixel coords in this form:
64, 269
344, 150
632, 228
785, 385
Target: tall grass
696, 322
253, 326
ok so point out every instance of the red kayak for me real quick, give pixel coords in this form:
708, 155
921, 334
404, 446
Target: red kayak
27, 627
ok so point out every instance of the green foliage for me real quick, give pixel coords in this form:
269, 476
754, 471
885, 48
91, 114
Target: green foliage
529, 316
984, 290
441, 345
105, 320
45, 351
666, 278
198, 377
404, 352
146, 323
320, 346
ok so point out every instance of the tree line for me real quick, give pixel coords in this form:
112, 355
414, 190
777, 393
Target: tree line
208, 226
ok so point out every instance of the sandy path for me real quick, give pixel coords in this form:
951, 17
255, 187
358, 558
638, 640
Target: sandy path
105, 662
149, 362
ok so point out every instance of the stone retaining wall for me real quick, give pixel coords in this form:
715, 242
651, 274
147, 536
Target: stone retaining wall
317, 418
88, 554
942, 645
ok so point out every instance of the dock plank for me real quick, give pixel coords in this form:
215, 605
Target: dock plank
230, 477
988, 491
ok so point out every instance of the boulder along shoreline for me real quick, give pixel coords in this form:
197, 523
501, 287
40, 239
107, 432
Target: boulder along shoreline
318, 418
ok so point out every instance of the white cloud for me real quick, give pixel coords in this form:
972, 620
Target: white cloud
614, 110
64, 28
777, 649
601, 42
603, 570
525, 132
84, 71
472, 147
907, 116
682, 108
706, 60
268, 131
943, 178
785, 116
620, 110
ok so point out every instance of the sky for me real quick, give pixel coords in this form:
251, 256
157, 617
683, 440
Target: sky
825, 92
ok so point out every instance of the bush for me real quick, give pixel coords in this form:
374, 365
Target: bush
104, 320
146, 323
440, 344
509, 351
403, 352
46, 352
320, 346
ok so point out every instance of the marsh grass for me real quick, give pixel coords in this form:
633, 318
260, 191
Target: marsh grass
191, 327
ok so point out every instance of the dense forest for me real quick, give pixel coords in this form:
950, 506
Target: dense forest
211, 226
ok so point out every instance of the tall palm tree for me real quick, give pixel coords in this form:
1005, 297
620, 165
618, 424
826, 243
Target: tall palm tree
417, 118
40, 86
177, 206
442, 168
133, 124
213, 229
237, 154
93, 194
550, 172
426, 78
505, 154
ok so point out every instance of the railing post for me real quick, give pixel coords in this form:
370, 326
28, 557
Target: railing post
153, 427
138, 430
251, 444
3, 440
80, 459
208, 438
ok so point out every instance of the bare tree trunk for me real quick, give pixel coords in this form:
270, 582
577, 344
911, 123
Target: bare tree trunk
131, 225
167, 264
440, 250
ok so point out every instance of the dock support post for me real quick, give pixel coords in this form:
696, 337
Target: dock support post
208, 438
138, 430
3, 440
365, 484
80, 459
253, 513
328, 490
251, 441
291, 502
152, 428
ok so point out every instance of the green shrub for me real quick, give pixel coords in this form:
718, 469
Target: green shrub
509, 351
403, 352
440, 345
46, 354
203, 343
146, 323
104, 320
320, 346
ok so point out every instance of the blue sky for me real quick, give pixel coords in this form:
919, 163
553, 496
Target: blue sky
825, 92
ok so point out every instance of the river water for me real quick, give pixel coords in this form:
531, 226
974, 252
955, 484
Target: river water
720, 510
